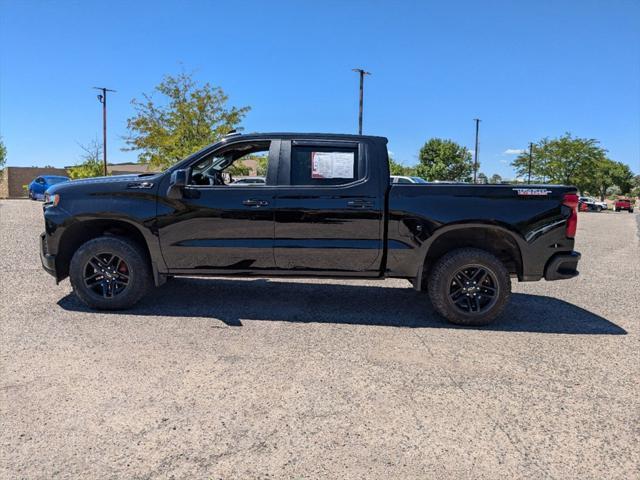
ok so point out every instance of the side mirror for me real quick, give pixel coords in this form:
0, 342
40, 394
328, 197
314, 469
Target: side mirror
177, 183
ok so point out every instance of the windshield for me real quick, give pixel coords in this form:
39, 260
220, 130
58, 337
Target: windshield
418, 180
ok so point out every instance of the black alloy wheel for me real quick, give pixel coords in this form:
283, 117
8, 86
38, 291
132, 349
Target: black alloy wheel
106, 274
469, 286
473, 289
110, 273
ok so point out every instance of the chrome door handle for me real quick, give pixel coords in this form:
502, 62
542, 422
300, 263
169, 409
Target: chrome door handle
251, 202
359, 204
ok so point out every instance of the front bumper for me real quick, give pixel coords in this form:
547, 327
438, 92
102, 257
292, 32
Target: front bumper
562, 266
48, 261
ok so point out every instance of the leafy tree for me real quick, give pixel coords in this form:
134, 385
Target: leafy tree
567, 159
92, 165
444, 160
635, 191
238, 169
189, 118
396, 168
482, 179
263, 161
623, 178
607, 174
3, 154
495, 178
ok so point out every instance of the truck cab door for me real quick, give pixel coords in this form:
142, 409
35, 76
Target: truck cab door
329, 212
223, 228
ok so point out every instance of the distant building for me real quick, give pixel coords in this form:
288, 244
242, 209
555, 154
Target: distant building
13, 179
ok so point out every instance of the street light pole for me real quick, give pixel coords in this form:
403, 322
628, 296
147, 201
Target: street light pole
475, 153
362, 74
102, 98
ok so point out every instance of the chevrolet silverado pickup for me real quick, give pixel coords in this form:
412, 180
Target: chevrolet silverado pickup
326, 209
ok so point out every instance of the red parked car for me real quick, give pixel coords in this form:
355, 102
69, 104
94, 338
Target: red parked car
623, 204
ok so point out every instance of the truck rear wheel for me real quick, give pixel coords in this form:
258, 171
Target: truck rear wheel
469, 286
110, 273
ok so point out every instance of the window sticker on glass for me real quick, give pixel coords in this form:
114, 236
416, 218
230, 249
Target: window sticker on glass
332, 164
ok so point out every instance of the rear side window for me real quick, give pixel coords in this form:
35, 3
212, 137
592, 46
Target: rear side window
311, 165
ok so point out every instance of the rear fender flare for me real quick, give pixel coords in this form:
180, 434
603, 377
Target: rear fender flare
425, 247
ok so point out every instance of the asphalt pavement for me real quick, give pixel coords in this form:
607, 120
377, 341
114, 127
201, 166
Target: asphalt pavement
306, 379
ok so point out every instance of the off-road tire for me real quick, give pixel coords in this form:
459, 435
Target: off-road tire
441, 276
140, 279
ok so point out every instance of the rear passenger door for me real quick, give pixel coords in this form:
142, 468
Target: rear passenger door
328, 216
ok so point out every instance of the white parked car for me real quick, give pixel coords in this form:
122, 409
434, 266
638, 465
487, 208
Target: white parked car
406, 179
593, 204
249, 181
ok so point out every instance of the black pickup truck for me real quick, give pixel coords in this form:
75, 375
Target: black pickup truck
327, 209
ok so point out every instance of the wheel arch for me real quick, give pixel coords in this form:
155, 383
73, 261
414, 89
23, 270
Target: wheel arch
494, 239
82, 231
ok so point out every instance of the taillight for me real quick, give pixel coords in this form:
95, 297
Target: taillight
571, 200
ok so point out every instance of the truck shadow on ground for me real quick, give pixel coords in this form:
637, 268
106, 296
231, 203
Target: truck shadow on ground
234, 300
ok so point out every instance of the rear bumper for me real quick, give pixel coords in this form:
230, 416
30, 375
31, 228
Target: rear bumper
562, 266
48, 261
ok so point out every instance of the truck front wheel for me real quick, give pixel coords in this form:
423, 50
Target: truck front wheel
110, 273
469, 286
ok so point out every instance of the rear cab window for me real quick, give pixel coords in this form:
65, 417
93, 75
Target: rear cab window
324, 165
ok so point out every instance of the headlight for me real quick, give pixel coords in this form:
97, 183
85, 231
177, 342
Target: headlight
51, 200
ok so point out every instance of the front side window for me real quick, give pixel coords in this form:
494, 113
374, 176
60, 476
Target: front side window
242, 164
314, 165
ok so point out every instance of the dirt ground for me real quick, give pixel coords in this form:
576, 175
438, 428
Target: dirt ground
249, 378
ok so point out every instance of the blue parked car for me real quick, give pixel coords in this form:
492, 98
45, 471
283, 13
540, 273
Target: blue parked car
39, 185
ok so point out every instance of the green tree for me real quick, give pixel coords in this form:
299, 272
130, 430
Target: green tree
262, 161
482, 179
444, 160
607, 174
396, 168
187, 119
624, 178
567, 159
635, 190
92, 165
3, 154
238, 169
495, 178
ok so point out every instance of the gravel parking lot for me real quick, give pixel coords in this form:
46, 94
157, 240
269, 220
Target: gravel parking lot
249, 378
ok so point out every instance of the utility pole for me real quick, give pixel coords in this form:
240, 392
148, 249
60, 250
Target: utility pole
102, 98
530, 160
362, 74
475, 153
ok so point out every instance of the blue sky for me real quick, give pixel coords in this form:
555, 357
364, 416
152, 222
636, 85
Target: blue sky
528, 69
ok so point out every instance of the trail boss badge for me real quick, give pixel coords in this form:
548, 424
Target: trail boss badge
534, 192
